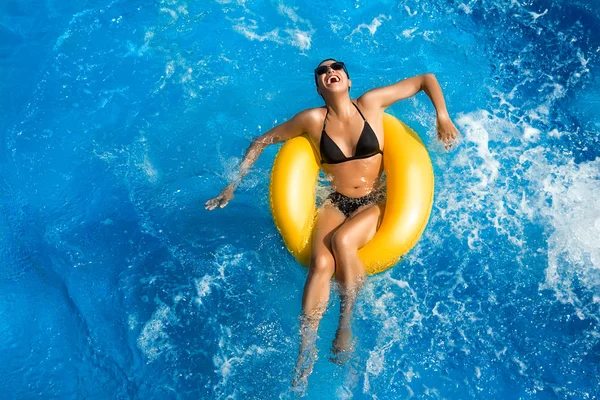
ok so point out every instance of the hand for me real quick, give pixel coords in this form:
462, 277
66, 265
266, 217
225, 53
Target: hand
447, 132
221, 200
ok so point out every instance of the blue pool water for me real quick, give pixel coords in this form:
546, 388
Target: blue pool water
121, 118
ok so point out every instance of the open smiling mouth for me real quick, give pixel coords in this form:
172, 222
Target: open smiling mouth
333, 79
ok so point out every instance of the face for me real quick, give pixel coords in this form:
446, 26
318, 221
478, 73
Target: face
333, 80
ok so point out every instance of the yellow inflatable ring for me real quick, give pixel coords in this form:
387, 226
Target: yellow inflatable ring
409, 175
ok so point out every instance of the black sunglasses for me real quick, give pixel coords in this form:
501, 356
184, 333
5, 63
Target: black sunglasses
338, 65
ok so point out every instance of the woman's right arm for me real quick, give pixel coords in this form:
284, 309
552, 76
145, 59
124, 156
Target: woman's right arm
289, 129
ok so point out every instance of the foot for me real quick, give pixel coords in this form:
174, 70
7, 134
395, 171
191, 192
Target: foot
303, 369
300, 381
342, 346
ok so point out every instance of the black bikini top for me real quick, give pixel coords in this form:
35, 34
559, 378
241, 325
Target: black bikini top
367, 145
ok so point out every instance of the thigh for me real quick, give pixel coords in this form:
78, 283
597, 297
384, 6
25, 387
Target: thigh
328, 220
357, 230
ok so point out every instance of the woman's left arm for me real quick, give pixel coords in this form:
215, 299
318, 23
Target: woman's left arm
384, 97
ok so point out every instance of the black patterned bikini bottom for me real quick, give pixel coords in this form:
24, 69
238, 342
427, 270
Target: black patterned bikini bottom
347, 205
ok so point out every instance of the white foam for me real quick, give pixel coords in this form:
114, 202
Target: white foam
230, 357
554, 191
531, 134
410, 13
393, 304
248, 29
289, 12
296, 31
226, 257
203, 287
372, 27
299, 38
536, 15
169, 11
154, 339
476, 130
574, 224
408, 33
465, 7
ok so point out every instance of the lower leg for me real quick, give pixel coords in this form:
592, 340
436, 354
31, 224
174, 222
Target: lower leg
350, 275
349, 292
314, 305
350, 281
350, 272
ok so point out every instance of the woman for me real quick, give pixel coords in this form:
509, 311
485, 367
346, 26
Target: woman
349, 217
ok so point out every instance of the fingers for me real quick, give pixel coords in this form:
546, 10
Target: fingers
448, 135
448, 140
219, 201
210, 205
213, 203
455, 132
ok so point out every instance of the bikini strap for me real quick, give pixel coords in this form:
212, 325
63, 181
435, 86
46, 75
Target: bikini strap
363, 117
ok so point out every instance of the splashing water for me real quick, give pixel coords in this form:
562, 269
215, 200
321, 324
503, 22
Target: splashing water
122, 118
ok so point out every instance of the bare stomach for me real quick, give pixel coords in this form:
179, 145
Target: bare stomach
355, 178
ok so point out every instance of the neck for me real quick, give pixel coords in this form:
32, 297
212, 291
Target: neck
340, 105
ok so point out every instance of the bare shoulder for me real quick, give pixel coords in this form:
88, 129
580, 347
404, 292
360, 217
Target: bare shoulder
369, 104
311, 116
369, 100
312, 119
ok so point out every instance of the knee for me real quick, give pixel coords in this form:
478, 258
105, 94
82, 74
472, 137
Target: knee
341, 242
323, 263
